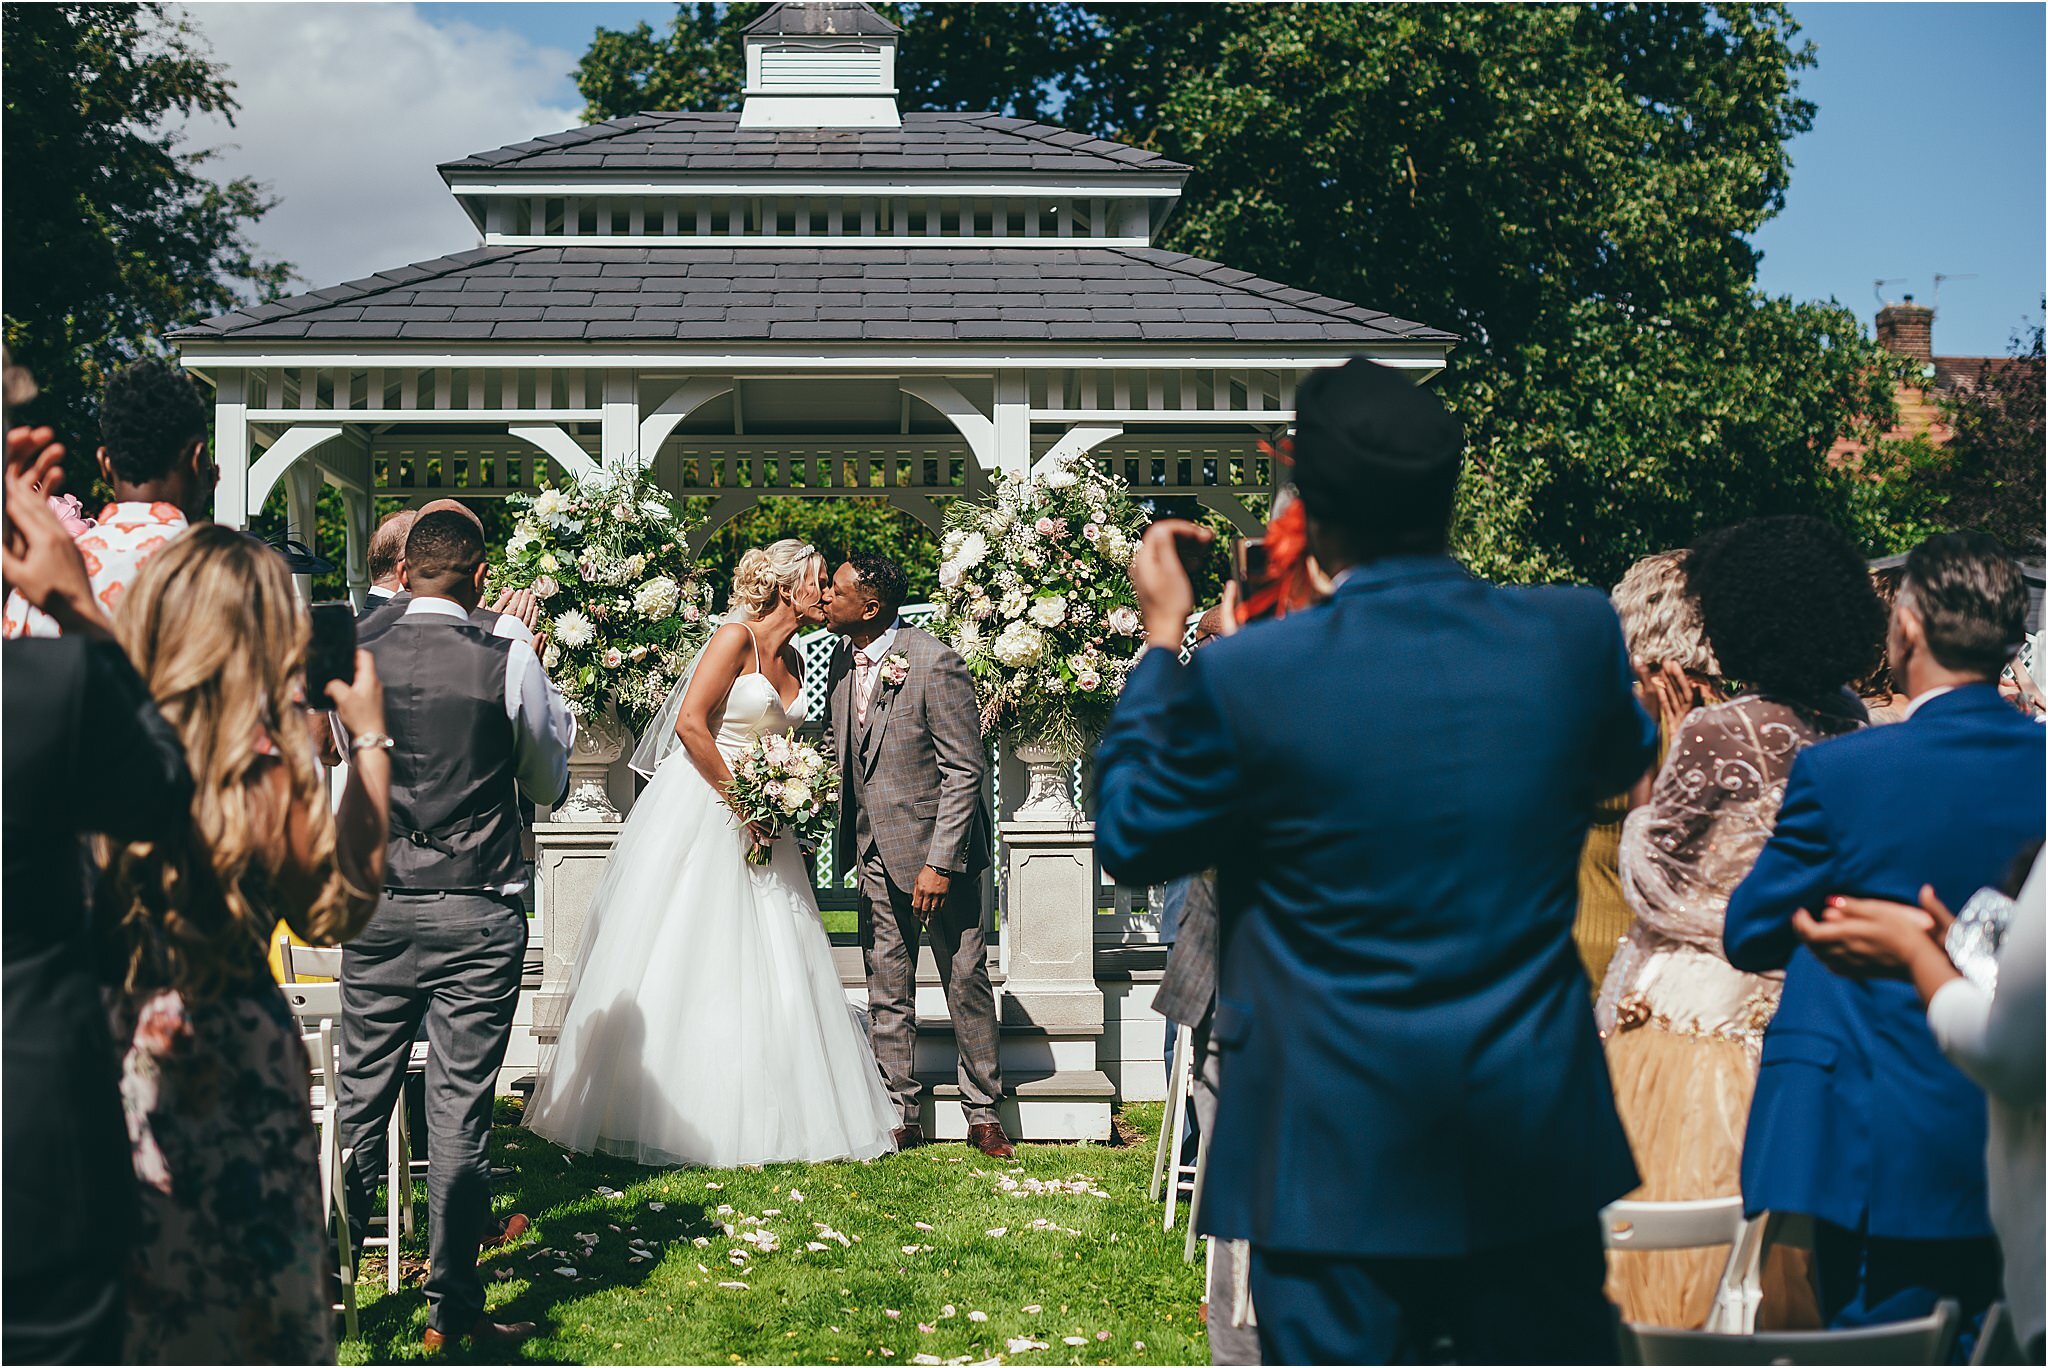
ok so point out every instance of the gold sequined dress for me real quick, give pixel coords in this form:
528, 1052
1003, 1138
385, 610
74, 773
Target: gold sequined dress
1684, 1028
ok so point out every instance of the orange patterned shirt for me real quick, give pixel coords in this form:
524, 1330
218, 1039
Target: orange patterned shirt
114, 549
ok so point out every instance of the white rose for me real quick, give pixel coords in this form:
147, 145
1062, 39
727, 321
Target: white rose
1020, 644
573, 629
949, 574
549, 563
1124, 621
1087, 681
546, 588
657, 598
519, 543
551, 657
796, 795
631, 567
1049, 612
613, 658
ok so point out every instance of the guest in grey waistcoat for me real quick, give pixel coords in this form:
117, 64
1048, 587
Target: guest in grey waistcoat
474, 724
900, 710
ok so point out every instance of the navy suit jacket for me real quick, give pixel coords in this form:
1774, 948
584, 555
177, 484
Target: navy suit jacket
1858, 1119
1394, 788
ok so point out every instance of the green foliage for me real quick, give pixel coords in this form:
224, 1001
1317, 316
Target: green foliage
837, 527
115, 234
1990, 474
1570, 188
1101, 1265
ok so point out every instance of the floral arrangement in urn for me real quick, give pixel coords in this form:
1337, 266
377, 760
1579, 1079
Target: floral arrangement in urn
622, 608
1035, 595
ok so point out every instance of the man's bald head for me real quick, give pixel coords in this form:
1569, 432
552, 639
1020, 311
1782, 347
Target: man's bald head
453, 506
387, 549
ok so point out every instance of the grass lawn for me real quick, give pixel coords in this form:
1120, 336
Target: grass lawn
1067, 1264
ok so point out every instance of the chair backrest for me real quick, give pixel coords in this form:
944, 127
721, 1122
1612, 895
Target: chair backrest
310, 961
1997, 1341
1926, 1340
1672, 1225
313, 1002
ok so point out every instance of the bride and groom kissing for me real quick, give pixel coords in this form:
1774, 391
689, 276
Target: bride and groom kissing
706, 1024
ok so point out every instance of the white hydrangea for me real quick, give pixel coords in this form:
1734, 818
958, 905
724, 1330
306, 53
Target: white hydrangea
1020, 644
1013, 604
1049, 612
657, 598
573, 629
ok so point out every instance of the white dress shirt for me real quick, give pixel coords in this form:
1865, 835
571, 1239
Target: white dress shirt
379, 592
874, 653
1913, 704
542, 725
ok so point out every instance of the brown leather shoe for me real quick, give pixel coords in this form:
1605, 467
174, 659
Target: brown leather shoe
500, 1334
988, 1137
515, 1225
907, 1137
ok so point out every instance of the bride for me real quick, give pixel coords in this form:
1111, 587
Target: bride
705, 1022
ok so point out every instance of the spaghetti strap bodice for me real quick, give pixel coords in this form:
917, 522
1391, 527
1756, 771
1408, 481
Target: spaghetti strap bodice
754, 708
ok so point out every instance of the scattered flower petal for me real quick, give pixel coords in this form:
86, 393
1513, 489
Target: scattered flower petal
924, 1329
735, 1286
892, 1315
816, 1246
997, 1232
977, 1316
795, 1196
1023, 1343
1102, 1334
1033, 1309
1073, 1339
657, 1206
947, 1312
922, 1225
566, 1272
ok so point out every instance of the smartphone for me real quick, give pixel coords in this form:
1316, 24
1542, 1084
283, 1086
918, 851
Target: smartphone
332, 655
1248, 563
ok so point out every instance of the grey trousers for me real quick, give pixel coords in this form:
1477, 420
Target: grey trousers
889, 933
452, 960
1228, 1343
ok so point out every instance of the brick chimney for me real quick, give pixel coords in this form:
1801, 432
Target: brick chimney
1907, 329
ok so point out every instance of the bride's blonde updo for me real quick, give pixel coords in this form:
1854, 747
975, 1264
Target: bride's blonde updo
764, 572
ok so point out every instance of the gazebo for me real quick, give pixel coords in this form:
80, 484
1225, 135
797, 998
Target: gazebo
818, 296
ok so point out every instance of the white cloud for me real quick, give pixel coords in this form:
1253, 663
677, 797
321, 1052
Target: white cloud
346, 109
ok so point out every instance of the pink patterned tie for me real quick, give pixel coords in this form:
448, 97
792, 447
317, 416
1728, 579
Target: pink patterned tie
861, 667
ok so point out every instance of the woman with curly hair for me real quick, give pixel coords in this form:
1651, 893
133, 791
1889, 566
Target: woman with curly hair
1788, 608
232, 1263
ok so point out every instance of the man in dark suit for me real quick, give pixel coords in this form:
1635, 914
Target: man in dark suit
386, 554
1858, 1120
1416, 1130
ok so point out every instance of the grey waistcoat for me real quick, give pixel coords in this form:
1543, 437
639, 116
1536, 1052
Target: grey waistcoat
454, 789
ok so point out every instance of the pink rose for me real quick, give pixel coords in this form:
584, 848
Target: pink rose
691, 613
1045, 527
1091, 532
71, 513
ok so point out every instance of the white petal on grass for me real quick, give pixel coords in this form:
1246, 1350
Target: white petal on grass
735, 1286
977, 1316
1033, 1309
657, 1206
997, 1232
947, 1312
816, 1246
1023, 1343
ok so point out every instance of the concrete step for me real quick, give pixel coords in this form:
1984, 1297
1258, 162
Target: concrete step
853, 969
1071, 1104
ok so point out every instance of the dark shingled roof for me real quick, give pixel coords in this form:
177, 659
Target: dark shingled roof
821, 18
715, 144
757, 293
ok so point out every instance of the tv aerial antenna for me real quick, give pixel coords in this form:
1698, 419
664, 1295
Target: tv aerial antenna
1966, 275
1877, 288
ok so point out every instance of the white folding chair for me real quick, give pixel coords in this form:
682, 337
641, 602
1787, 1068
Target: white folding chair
1926, 1340
1180, 1077
1701, 1224
317, 1011
309, 961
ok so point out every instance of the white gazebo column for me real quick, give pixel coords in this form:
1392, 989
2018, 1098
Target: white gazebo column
302, 514
356, 509
231, 450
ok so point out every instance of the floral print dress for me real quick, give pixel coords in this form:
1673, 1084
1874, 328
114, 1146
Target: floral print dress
233, 1263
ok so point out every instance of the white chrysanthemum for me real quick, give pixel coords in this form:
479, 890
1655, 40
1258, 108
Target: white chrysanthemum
1020, 644
968, 638
657, 598
573, 629
546, 588
1049, 612
1061, 476
1124, 621
972, 551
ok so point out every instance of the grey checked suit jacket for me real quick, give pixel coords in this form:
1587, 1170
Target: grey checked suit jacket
921, 760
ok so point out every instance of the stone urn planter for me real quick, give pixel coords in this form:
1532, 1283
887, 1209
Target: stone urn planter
600, 740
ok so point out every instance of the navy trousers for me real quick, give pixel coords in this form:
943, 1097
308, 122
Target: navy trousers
1865, 1281
1540, 1301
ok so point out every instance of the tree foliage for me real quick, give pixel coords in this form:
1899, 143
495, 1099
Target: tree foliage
115, 234
1570, 188
1990, 474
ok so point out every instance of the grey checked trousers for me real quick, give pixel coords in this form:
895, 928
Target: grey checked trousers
889, 933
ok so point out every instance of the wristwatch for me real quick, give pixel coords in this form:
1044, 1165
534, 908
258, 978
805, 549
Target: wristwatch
372, 741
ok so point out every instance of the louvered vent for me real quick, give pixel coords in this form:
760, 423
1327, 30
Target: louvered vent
816, 69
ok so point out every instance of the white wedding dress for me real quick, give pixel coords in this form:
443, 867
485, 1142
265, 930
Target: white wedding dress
706, 1023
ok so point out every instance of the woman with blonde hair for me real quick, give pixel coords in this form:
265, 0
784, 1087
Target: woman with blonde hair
706, 1023
233, 1263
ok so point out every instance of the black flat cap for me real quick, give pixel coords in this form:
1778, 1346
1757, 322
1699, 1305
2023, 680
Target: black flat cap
1363, 431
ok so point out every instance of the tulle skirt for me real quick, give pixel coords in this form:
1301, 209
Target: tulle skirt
706, 1023
1684, 1099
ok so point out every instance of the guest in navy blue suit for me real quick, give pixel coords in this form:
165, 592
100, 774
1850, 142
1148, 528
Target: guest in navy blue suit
1416, 1131
1858, 1120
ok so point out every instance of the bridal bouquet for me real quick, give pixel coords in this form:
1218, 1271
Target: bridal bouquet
1035, 595
621, 604
783, 784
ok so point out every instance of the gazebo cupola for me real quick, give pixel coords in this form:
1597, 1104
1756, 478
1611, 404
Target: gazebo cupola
829, 65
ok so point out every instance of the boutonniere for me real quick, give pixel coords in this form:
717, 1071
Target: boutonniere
895, 669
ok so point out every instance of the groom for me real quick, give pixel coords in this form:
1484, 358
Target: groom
901, 713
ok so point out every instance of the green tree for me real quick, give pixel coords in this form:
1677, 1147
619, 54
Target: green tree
115, 233
1989, 477
1570, 188
837, 527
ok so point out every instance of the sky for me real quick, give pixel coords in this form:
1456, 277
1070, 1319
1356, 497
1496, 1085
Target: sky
1927, 155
